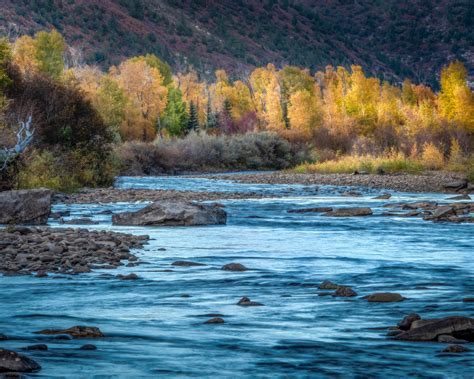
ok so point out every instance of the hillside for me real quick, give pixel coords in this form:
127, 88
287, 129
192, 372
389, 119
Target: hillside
390, 38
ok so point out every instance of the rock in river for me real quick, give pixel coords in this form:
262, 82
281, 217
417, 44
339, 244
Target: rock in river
349, 212
328, 285
215, 320
25, 206
384, 297
246, 302
186, 264
11, 361
343, 291
456, 349
172, 213
76, 332
429, 330
234, 267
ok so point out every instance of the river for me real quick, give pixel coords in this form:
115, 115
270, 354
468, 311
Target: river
154, 326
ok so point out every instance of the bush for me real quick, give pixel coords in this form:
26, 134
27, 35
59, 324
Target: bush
203, 152
432, 158
390, 163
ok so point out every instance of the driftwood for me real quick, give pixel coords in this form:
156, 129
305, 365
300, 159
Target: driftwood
24, 137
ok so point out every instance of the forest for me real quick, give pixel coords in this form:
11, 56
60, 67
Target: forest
139, 117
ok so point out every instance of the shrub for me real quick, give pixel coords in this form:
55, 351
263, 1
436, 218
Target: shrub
432, 158
206, 152
390, 163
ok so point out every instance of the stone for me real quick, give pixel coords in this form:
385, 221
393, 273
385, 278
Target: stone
429, 330
384, 196
351, 194
328, 285
456, 184
215, 320
246, 302
25, 206
405, 324
349, 212
186, 264
343, 291
88, 347
441, 213
3, 337
80, 221
460, 197
311, 210
456, 349
11, 361
234, 267
468, 300
36, 347
76, 332
131, 276
173, 213
384, 297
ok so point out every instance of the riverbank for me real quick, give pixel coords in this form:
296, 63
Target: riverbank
426, 182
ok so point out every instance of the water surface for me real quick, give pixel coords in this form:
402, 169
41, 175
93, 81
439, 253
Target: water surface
154, 326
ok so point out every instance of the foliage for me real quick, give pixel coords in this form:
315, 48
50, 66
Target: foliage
49, 50
207, 152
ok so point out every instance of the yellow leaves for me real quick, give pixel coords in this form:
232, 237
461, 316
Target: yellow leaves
144, 86
303, 111
24, 52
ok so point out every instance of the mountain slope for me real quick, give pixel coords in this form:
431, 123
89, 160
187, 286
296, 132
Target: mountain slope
390, 38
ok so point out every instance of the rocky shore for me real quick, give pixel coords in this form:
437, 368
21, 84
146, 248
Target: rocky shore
426, 182
114, 195
42, 250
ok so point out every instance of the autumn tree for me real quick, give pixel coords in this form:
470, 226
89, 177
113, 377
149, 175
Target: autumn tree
49, 50
456, 100
144, 87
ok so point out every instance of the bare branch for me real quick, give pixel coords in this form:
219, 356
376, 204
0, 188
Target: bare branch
24, 137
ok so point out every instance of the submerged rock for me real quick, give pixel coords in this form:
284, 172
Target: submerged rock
25, 206
246, 302
311, 210
456, 349
88, 347
131, 276
186, 264
343, 291
328, 285
215, 320
446, 338
384, 196
11, 361
76, 332
384, 297
460, 197
349, 212
172, 213
234, 267
36, 347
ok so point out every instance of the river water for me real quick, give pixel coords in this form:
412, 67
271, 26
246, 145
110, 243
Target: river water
154, 326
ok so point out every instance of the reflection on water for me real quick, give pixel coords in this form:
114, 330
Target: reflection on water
153, 330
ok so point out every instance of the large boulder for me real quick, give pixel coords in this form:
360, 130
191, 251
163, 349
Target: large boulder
11, 361
428, 330
25, 206
173, 213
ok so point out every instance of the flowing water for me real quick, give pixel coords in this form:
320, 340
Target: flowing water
154, 326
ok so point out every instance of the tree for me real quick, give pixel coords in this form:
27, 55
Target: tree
175, 117
303, 111
144, 87
5, 58
193, 122
24, 55
49, 50
456, 100
153, 61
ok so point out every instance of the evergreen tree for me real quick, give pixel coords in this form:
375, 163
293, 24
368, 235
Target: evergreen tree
175, 118
193, 122
211, 118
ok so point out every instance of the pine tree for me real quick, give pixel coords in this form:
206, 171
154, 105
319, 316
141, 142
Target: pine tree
193, 123
211, 118
175, 118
